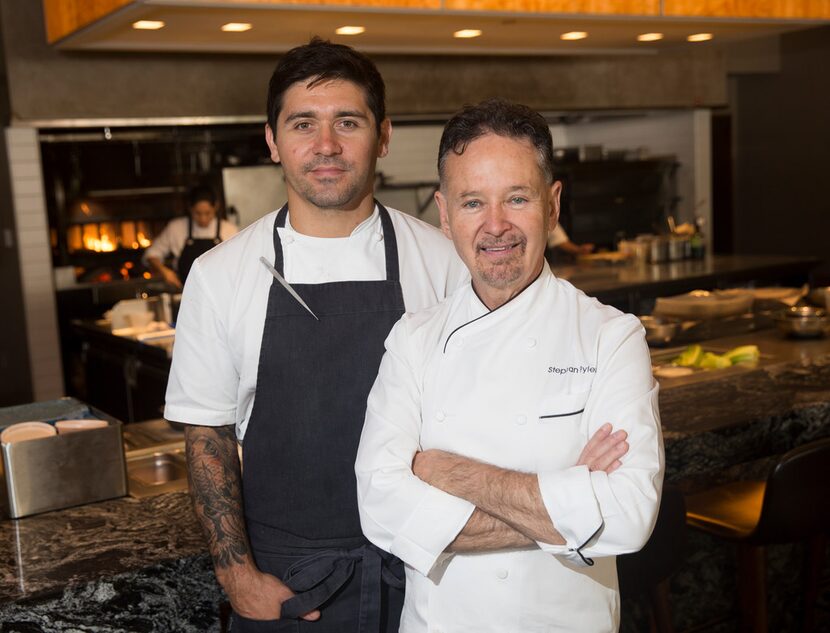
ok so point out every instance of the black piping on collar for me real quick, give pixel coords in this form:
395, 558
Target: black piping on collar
489, 312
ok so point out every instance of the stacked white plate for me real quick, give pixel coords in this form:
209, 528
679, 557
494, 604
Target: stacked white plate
702, 304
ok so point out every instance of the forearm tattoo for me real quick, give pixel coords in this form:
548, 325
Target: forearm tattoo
216, 489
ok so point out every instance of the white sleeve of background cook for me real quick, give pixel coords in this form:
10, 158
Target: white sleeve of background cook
600, 514
398, 512
203, 382
557, 236
163, 244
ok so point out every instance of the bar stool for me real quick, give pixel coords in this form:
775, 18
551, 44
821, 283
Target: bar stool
792, 505
648, 571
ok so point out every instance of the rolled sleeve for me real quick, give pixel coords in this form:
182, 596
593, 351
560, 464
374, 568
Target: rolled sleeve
202, 388
400, 513
572, 505
600, 514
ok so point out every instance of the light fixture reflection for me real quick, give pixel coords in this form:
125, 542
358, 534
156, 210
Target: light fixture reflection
148, 25
574, 35
350, 30
649, 37
700, 37
467, 33
237, 27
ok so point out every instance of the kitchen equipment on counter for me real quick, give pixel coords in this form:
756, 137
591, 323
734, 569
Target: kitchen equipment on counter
787, 296
25, 431
703, 304
658, 249
636, 250
660, 331
63, 470
679, 247
121, 314
803, 322
74, 426
820, 297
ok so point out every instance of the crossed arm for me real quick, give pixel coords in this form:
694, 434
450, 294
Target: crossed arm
509, 510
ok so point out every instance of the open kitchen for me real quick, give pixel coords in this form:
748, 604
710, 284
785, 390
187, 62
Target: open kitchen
690, 143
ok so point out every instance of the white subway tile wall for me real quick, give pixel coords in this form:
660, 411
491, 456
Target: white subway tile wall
35, 263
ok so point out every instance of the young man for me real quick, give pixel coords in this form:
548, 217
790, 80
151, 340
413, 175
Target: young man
475, 466
278, 340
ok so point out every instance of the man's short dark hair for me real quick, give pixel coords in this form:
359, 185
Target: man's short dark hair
320, 61
500, 117
201, 193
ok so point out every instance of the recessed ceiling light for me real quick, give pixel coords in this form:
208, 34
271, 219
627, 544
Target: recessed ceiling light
237, 27
573, 35
700, 37
467, 33
148, 25
350, 30
649, 37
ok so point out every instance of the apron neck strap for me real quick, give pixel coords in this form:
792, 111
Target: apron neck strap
390, 242
189, 226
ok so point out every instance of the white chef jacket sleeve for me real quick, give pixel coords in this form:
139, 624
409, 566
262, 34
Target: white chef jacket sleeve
164, 244
400, 513
203, 382
599, 514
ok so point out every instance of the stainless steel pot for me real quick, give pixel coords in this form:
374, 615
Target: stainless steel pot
659, 331
803, 322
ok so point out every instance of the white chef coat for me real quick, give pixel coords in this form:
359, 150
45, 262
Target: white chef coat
172, 239
222, 315
522, 387
557, 236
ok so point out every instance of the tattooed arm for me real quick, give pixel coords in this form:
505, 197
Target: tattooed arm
216, 489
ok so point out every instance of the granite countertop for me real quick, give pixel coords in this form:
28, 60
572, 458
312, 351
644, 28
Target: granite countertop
711, 271
127, 554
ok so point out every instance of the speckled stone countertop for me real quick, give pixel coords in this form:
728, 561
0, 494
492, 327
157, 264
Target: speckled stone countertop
141, 564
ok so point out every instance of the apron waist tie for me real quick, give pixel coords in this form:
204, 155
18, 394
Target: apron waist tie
317, 577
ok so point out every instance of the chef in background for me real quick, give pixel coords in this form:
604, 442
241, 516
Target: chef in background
184, 239
557, 238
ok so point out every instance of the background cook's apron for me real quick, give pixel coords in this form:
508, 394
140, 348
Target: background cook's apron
194, 247
300, 446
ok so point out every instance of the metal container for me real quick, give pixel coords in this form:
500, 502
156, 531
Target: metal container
677, 248
659, 331
64, 470
658, 250
803, 322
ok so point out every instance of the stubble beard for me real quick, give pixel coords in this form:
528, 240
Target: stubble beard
503, 274
330, 193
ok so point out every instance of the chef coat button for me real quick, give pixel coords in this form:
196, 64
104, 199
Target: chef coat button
501, 574
531, 342
288, 239
520, 419
379, 237
440, 416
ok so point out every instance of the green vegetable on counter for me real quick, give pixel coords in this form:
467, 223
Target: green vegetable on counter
713, 361
690, 357
743, 354
694, 356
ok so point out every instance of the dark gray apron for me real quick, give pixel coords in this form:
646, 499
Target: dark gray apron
194, 247
300, 446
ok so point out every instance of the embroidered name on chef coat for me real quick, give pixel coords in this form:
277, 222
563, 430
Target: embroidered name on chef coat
573, 369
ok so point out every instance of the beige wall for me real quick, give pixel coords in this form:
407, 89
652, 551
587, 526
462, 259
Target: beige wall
48, 84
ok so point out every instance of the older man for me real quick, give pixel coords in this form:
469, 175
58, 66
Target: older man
475, 465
